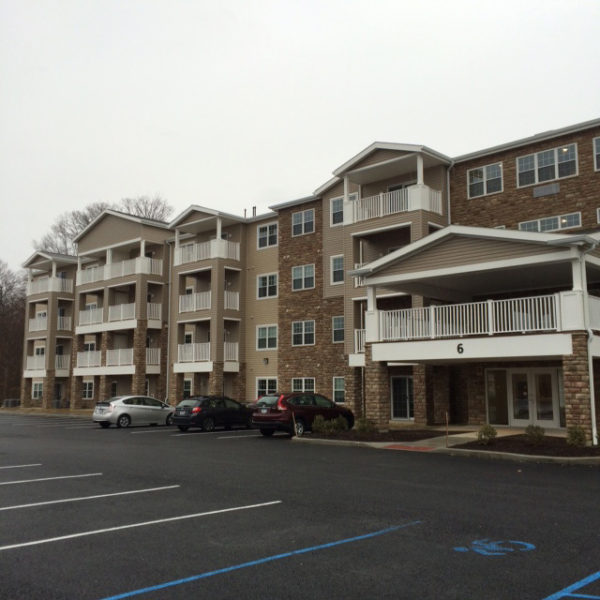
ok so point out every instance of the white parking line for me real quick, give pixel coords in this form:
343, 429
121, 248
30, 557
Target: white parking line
156, 489
132, 525
199, 431
21, 466
151, 431
236, 437
50, 478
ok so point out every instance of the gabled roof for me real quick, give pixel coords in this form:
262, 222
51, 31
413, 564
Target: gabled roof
508, 235
120, 215
209, 211
291, 203
43, 258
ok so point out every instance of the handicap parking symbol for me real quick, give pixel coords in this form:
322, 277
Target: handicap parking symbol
487, 547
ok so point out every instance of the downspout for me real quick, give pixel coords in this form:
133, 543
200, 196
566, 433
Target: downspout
169, 322
590, 334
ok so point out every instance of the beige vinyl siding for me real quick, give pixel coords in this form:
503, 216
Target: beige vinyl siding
464, 251
378, 156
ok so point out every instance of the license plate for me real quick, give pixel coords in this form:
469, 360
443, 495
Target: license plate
264, 411
100, 411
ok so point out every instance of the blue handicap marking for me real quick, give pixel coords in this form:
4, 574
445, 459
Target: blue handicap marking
487, 547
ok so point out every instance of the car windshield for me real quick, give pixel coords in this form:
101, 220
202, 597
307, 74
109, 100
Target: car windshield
267, 400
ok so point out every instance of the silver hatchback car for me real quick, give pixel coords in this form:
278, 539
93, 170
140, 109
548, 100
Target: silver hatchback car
124, 411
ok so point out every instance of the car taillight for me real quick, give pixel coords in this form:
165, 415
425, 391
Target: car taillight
280, 404
197, 409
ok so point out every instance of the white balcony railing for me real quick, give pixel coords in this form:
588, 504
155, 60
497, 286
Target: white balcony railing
38, 324
49, 284
231, 351
142, 265
153, 356
359, 341
92, 316
491, 317
154, 310
358, 281
232, 300
64, 323
119, 357
62, 362
89, 359
121, 312
36, 362
192, 302
206, 250
193, 352
414, 197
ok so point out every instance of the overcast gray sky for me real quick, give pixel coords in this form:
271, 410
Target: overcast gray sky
235, 103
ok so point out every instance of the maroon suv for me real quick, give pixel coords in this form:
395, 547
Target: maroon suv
281, 412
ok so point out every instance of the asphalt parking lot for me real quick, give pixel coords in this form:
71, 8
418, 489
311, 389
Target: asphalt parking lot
152, 513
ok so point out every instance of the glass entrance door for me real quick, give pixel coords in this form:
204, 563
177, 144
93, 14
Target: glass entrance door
533, 398
402, 398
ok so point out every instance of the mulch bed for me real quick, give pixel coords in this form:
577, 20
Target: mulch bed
520, 444
394, 435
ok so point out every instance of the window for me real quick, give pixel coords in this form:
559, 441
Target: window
336, 211
552, 223
303, 277
37, 391
88, 390
267, 235
547, 165
39, 350
337, 269
339, 390
303, 333
485, 180
266, 386
337, 326
303, 384
187, 388
188, 338
266, 337
303, 222
597, 154
267, 286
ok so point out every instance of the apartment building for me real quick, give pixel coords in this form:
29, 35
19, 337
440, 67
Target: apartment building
410, 286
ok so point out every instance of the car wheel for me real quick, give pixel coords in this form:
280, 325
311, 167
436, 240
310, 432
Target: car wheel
183, 427
208, 424
123, 421
267, 432
104, 425
300, 428
169, 420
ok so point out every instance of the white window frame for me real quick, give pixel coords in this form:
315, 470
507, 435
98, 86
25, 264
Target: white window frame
37, 390
269, 389
302, 387
485, 180
334, 329
335, 390
304, 221
304, 333
189, 380
523, 225
536, 165
258, 286
87, 390
267, 337
339, 199
259, 237
596, 153
303, 278
332, 271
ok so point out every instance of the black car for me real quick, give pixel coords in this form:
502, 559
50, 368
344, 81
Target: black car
208, 412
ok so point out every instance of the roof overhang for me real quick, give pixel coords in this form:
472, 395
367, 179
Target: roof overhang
43, 260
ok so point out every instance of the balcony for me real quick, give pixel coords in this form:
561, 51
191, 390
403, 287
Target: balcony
89, 359
49, 284
92, 316
142, 265
62, 362
64, 323
153, 356
119, 358
231, 351
414, 197
190, 353
36, 362
359, 341
232, 300
193, 302
154, 311
38, 324
195, 252
121, 312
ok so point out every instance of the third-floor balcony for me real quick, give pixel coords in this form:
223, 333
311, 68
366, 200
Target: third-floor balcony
38, 324
199, 352
49, 284
193, 302
188, 253
142, 265
414, 197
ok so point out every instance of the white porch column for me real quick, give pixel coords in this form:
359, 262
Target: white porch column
420, 178
371, 316
219, 227
53, 269
143, 248
109, 256
176, 239
577, 275
348, 206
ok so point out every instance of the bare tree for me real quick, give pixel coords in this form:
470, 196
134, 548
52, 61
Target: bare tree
153, 207
68, 225
12, 316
